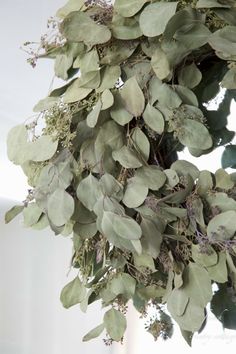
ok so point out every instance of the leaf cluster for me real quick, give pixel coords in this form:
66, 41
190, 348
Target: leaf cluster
104, 171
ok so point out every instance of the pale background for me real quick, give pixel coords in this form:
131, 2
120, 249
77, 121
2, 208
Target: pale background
34, 266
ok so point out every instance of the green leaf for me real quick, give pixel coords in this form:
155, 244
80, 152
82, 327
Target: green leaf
125, 28
150, 176
123, 284
107, 99
110, 187
135, 193
79, 27
110, 135
194, 134
126, 227
141, 143
154, 119
55, 175
154, 18
187, 335
231, 268
205, 258
70, 6
41, 224
75, 92
118, 111
167, 96
129, 8
20, 151
107, 228
73, 293
105, 204
115, 324
193, 37
31, 214
197, 284
144, 261
189, 98
189, 76
192, 319
85, 231
141, 70
223, 179
229, 80
117, 54
221, 201
88, 62
224, 308
152, 237
228, 158
133, 97
197, 290
183, 20
60, 207
109, 77
227, 15
45, 103
62, 64
183, 168
127, 157
90, 80
219, 272
222, 226
197, 211
224, 41
160, 64
94, 333
208, 4
13, 212
204, 183
41, 149
177, 302
16, 144
172, 177
89, 191
92, 117
150, 292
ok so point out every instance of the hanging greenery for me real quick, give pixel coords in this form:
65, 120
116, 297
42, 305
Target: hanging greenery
104, 170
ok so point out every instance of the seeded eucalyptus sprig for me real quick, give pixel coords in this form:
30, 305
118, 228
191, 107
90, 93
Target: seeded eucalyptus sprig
146, 227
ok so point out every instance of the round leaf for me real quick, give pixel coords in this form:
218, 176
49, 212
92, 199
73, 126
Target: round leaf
127, 157
222, 227
135, 193
133, 97
79, 27
190, 76
16, 144
60, 207
154, 119
94, 333
150, 176
115, 324
73, 293
126, 227
89, 191
194, 134
154, 17
128, 8
141, 143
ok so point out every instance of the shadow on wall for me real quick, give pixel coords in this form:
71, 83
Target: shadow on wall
33, 270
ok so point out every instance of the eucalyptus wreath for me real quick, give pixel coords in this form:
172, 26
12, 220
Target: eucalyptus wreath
101, 155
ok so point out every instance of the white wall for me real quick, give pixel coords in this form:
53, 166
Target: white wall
33, 270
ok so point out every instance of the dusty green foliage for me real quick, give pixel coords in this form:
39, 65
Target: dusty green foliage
145, 226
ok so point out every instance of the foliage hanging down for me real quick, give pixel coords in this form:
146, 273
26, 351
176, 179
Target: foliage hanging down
146, 227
